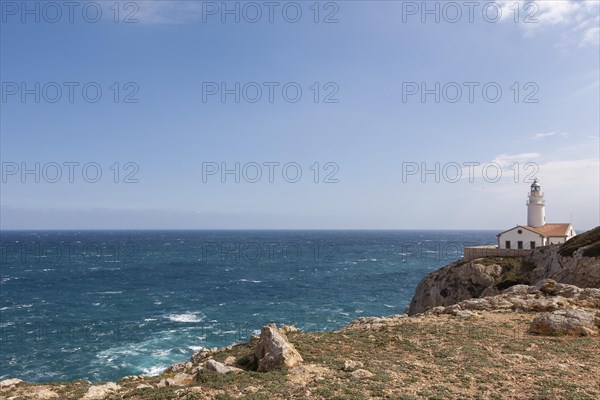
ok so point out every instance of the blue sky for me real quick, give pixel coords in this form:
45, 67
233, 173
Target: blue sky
376, 50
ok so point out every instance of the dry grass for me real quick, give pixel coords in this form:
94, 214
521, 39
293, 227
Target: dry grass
443, 357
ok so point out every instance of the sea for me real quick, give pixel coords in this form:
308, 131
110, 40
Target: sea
100, 305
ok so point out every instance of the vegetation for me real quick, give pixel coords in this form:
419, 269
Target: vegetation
588, 238
443, 357
515, 270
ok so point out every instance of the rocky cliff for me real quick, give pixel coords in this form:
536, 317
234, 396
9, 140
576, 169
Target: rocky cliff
576, 262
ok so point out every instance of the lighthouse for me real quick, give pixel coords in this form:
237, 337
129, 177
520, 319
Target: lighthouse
536, 206
537, 232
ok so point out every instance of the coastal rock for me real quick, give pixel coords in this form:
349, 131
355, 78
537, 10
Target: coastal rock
566, 322
10, 382
274, 351
361, 374
577, 270
180, 379
567, 264
288, 329
143, 386
453, 283
45, 394
546, 296
180, 367
99, 392
374, 323
200, 356
350, 365
220, 368
307, 373
229, 360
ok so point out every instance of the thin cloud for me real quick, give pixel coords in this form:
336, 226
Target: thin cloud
169, 12
546, 135
578, 19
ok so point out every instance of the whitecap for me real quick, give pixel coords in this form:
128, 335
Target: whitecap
155, 370
186, 317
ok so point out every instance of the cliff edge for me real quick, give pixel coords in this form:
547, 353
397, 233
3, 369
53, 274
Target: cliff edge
576, 262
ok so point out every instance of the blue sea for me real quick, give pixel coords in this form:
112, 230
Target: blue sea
100, 305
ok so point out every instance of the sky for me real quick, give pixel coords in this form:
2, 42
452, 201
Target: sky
298, 115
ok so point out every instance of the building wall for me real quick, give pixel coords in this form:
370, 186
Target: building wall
526, 236
471, 253
557, 240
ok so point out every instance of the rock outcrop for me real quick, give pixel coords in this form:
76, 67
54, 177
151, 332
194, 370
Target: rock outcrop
459, 281
274, 350
6, 383
577, 270
546, 296
100, 392
566, 322
220, 368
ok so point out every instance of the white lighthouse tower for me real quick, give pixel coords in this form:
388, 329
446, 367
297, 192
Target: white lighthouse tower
536, 206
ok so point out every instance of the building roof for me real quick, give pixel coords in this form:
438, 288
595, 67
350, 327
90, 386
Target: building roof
552, 229
547, 230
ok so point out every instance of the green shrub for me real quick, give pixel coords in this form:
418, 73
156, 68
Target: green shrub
568, 248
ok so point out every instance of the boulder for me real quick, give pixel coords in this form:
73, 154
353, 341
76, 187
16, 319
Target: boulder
350, 365
143, 386
288, 329
274, 351
361, 374
179, 367
220, 368
307, 373
180, 379
200, 356
566, 322
10, 382
99, 392
229, 360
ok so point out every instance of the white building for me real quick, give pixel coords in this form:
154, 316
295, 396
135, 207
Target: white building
537, 232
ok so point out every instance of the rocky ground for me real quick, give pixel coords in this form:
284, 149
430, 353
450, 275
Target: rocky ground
503, 341
528, 343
